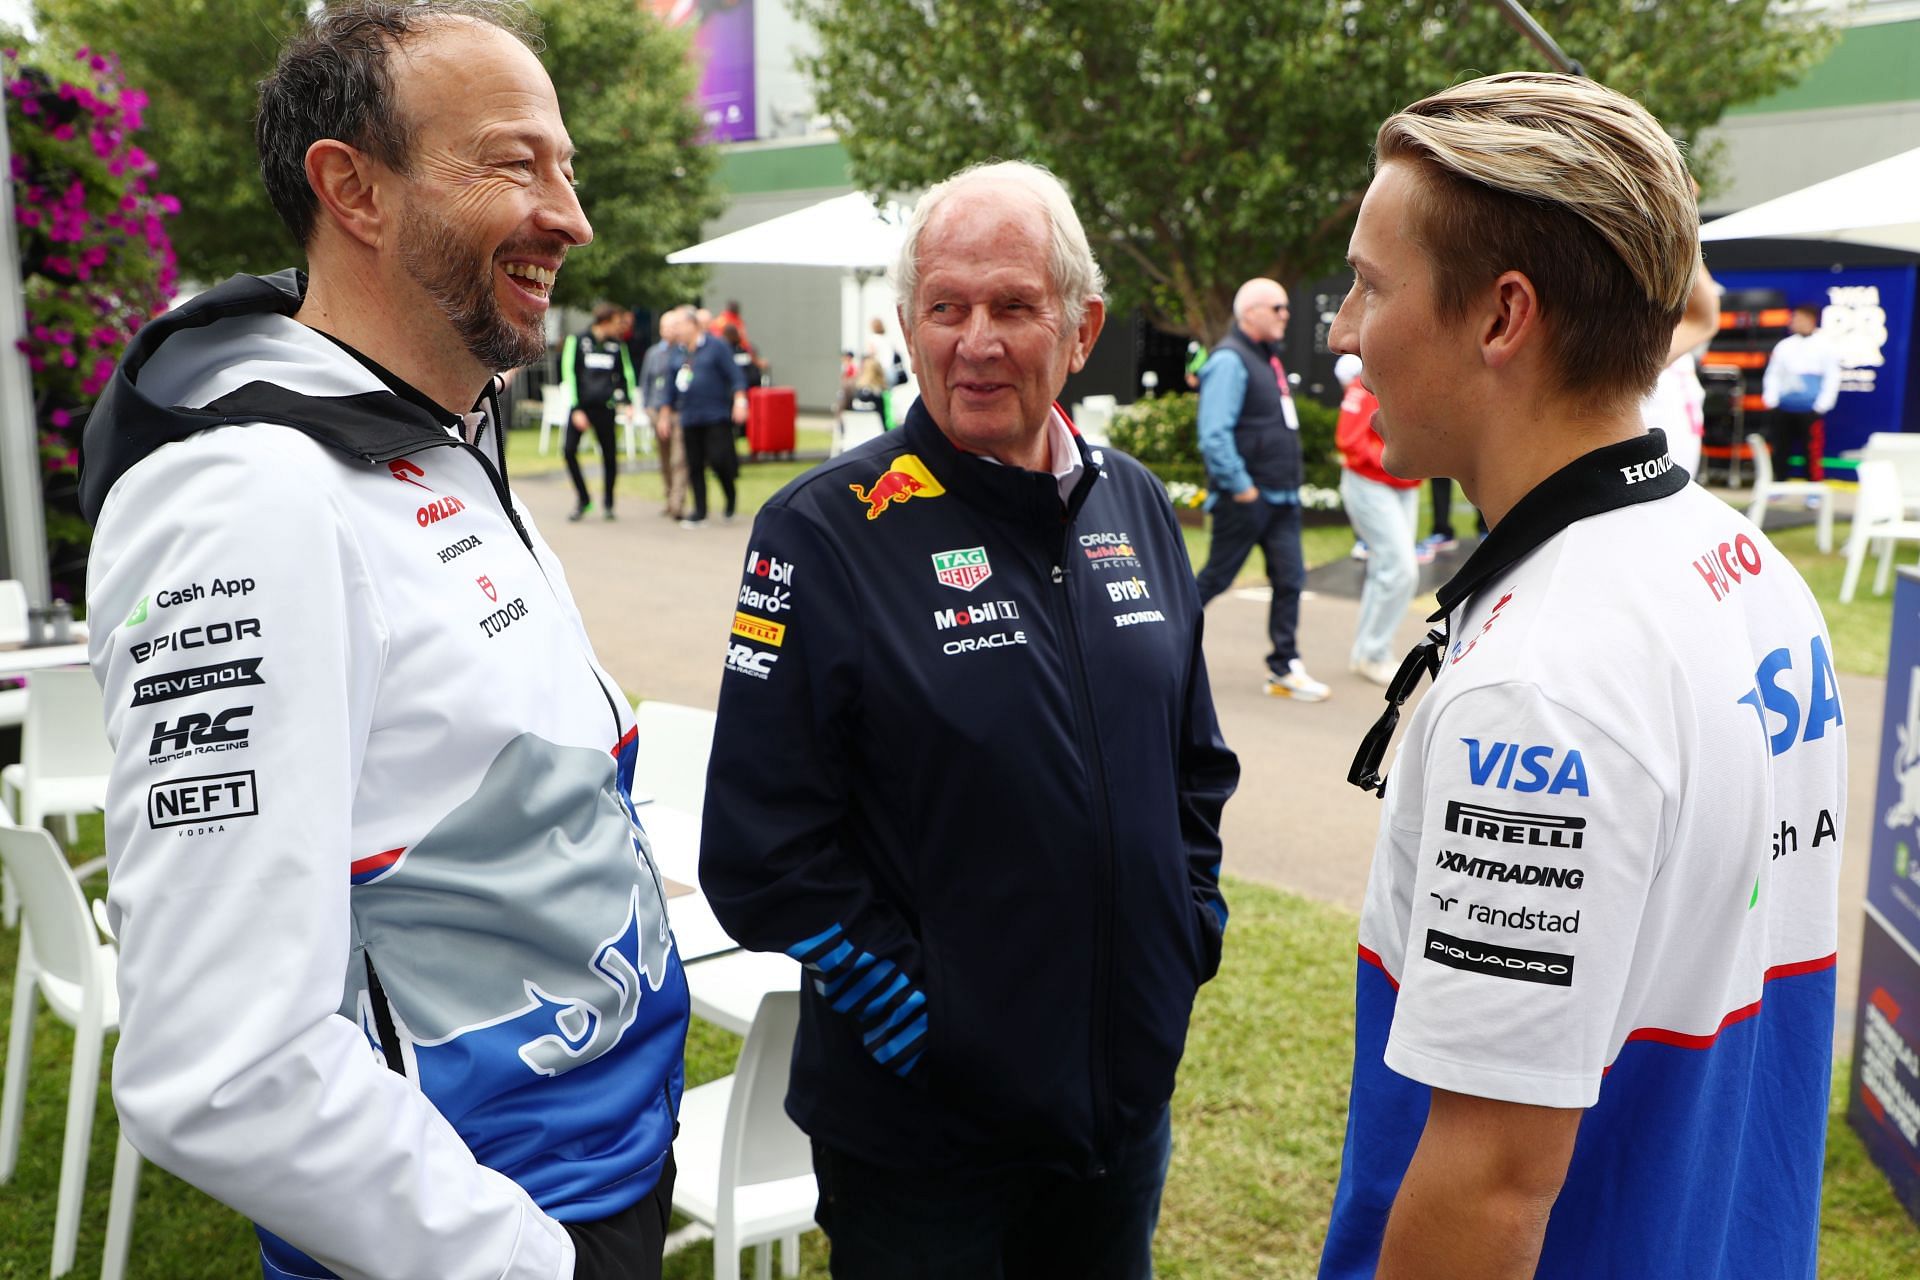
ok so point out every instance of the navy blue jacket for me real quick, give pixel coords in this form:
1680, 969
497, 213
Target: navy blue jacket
704, 387
967, 769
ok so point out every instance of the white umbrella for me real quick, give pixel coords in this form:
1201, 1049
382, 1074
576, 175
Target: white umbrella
1877, 205
847, 232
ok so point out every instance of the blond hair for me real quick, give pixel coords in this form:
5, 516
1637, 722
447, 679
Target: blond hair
1573, 185
1075, 274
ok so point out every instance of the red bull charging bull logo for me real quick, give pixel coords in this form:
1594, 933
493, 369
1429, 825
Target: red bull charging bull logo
908, 477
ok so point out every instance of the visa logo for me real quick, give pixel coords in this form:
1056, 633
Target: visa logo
1497, 764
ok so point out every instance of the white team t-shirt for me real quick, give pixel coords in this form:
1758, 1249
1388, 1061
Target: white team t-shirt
1607, 878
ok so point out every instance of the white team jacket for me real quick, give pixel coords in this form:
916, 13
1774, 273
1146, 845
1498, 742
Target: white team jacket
356, 718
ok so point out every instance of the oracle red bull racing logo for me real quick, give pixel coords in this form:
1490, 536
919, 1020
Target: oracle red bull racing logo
908, 477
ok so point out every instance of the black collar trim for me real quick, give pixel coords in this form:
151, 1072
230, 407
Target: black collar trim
1611, 477
1011, 493
400, 386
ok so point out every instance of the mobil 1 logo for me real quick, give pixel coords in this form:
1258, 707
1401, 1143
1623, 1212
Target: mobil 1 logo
200, 805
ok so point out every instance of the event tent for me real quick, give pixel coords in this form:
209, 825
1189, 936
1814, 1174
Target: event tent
848, 232
1876, 205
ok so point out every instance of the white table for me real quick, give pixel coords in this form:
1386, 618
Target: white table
726, 990
20, 662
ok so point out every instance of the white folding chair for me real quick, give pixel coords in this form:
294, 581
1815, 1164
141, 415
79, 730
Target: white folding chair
13, 630
1766, 488
1902, 449
856, 427
13, 612
1094, 417
556, 407
672, 745
64, 754
1879, 518
745, 1169
63, 960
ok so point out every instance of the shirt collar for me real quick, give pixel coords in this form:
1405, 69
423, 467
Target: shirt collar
1613, 476
1064, 463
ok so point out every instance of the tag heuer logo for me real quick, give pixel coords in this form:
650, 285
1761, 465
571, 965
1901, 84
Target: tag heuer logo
966, 568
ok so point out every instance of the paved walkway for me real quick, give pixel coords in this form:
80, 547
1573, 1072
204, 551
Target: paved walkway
658, 601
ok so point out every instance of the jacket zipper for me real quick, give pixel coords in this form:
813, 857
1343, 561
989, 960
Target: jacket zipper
1100, 1039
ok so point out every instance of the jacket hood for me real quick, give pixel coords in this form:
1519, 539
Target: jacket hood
228, 358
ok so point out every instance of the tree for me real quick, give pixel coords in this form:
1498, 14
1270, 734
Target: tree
199, 61
625, 89
1209, 141
95, 261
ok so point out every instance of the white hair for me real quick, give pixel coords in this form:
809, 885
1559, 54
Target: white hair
1075, 274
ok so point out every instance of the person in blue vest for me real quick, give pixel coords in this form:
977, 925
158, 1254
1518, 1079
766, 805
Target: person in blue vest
710, 395
1250, 438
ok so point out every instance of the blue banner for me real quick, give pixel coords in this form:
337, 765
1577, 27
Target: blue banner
1883, 1097
1867, 314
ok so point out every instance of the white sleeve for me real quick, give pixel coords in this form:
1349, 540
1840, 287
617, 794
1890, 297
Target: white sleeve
229, 820
1829, 378
1771, 379
1539, 841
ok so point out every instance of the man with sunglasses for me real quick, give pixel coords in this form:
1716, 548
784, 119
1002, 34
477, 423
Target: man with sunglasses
1595, 990
1250, 438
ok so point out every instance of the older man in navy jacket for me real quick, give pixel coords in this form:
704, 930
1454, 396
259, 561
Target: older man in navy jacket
967, 771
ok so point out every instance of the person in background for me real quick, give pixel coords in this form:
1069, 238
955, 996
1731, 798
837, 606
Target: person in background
870, 391
1196, 361
1800, 385
1383, 510
597, 371
881, 350
1677, 404
657, 367
729, 317
710, 397
1250, 438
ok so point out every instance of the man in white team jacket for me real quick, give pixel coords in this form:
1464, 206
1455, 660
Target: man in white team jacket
395, 978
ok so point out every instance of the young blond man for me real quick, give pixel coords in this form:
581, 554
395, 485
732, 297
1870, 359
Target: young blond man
1595, 993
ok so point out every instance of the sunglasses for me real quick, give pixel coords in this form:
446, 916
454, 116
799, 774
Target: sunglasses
1424, 660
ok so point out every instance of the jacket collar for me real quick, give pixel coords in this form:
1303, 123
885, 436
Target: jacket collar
1008, 493
1611, 477
126, 426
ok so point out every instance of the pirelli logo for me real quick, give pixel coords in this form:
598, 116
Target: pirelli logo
759, 630
1514, 826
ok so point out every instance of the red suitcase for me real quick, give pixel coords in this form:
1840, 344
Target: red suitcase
771, 414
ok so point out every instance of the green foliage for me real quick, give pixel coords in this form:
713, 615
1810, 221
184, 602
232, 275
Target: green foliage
199, 61
626, 91
1164, 433
95, 260
623, 80
1209, 141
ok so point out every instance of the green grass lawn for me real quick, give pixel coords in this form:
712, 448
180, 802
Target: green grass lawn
1258, 1121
